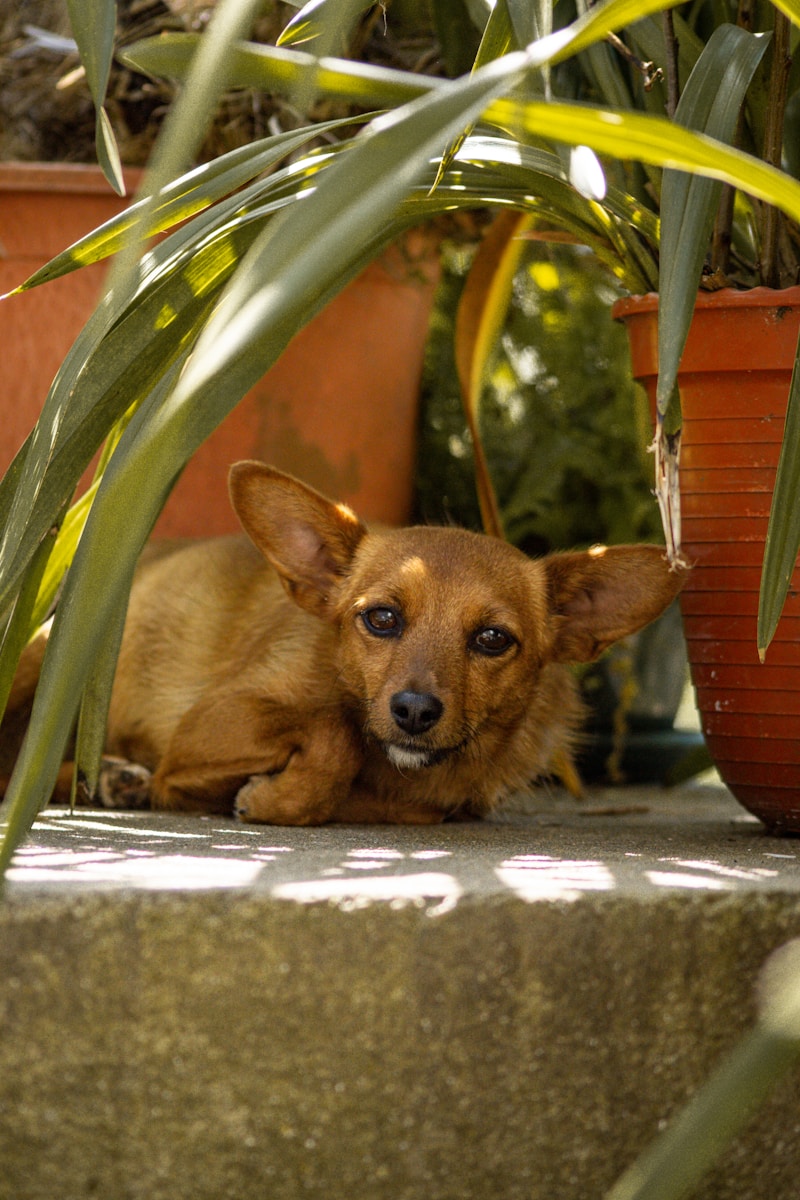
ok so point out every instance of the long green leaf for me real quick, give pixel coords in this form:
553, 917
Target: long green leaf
69, 658
618, 134
321, 21
328, 23
183, 130
43, 480
497, 40
17, 630
281, 69
710, 103
93, 25
96, 700
673, 1166
273, 68
359, 195
783, 532
649, 139
190, 194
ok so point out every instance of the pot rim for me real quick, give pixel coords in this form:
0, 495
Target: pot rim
757, 297
18, 176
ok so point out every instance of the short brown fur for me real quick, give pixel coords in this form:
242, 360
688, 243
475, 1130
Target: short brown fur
401, 675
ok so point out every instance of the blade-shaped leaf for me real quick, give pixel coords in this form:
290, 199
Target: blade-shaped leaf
280, 69
650, 139
108, 152
481, 312
711, 102
323, 21
186, 122
783, 533
93, 716
93, 25
17, 630
69, 657
497, 39
328, 24
360, 195
191, 193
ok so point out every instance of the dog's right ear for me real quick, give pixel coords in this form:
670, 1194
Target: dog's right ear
309, 540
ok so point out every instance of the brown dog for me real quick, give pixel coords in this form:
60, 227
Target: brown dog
402, 675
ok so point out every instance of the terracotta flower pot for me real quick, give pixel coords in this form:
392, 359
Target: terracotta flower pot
734, 384
338, 408
43, 209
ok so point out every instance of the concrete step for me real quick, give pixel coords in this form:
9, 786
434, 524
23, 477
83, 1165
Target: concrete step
193, 1009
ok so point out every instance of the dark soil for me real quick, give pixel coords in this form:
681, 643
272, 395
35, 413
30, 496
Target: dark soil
46, 111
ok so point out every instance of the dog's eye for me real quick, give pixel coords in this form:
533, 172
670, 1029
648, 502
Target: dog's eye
383, 622
492, 641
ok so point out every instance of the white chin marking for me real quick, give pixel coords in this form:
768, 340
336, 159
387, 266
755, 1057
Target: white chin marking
409, 760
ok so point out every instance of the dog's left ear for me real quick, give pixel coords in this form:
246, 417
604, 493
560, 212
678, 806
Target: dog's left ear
309, 540
604, 594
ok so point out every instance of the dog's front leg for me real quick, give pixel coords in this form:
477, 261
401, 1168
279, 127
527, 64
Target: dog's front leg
241, 751
324, 757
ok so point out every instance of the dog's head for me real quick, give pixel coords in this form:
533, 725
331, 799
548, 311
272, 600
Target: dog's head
443, 632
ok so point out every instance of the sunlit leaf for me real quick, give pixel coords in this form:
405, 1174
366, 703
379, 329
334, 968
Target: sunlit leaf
481, 312
108, 152
497, 40
323, 21
281, 69
649, 139
191, 193
790, 9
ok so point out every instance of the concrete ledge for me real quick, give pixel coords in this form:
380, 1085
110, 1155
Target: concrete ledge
196, 1009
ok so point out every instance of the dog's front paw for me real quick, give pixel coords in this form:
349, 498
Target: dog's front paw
275, 799
123, 784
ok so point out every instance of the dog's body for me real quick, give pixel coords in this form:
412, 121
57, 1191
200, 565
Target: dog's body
402, 675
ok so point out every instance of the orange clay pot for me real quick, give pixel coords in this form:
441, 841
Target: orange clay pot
339, 408
734, 384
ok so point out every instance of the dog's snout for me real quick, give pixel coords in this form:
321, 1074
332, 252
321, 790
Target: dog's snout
415, 712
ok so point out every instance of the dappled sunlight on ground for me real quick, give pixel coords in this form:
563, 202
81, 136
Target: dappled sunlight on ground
561, 855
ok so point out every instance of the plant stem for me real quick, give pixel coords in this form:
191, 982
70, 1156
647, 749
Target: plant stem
671, 63
721, 241
773, 144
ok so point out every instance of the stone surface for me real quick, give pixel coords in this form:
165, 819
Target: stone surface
192, 1008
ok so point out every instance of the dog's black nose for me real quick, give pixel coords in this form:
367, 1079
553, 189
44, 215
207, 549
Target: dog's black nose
415, 712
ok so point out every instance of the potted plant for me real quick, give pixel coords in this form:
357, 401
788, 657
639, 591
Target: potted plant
715, 349
187, 329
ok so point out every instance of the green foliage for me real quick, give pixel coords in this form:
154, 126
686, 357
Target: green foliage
563, 426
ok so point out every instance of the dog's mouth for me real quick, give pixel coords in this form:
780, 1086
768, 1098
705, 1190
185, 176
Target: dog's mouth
415, 758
